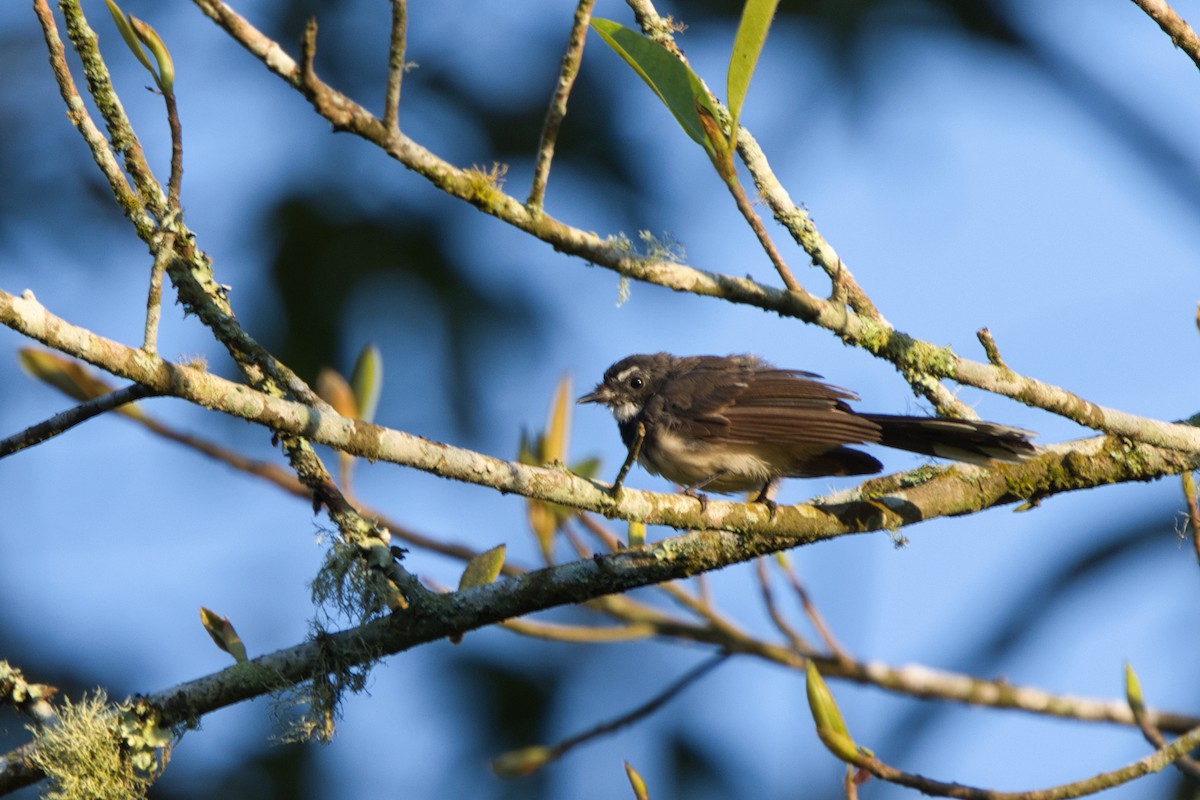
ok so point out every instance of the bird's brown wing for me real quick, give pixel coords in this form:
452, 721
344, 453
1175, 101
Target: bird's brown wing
755, 404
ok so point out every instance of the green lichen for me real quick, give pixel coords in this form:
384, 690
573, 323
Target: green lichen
348, 588
311, 710
93, 753
484, 187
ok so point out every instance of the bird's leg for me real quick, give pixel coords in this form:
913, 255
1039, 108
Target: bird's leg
694, 489
766, 496
634, 450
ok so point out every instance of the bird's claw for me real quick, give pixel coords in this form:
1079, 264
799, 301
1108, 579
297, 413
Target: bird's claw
772, 507
702, 499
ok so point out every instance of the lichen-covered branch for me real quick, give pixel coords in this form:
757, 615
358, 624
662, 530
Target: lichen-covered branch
884, 503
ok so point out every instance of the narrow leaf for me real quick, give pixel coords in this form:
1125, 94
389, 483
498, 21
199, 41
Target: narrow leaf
673, 81
554, 445
747, 45
839, 744
824, 709
165, 76
333, 389
1133, 689
124, 25
223, 634
635, 780
69, 377
367, 380
483, 568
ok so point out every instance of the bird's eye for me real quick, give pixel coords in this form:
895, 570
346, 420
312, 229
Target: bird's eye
636, 382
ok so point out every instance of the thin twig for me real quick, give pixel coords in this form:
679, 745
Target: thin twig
163, 253
557, 109
581, 634
396, 66
760, 231
64, 421
642, 711
1186, 765
1193, 509
1154, 762
764, 582
814, 616
990, 349
1174, 26
175, 182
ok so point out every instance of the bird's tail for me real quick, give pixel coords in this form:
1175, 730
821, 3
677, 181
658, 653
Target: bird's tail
958, 439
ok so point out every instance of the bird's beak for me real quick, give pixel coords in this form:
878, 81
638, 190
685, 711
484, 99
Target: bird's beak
600, 394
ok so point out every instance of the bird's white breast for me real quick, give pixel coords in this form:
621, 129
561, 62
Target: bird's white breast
691, 462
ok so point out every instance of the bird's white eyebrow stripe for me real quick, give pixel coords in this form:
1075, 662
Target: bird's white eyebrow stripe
625, 373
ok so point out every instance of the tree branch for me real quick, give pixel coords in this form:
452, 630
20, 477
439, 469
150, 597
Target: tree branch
890, 502
60, 423
1175, 26
557, 109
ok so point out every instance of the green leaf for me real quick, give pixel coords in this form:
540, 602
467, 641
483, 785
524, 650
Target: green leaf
165, 76
824, 709
676, 85
483, 568
636, 783
637, 533
223, 634
747, 45
1133, 689
518, 763
586, 468
124, 25
840, 745
558, 426
133, 31
367, 381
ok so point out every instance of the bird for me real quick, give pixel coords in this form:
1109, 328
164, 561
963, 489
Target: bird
737, 423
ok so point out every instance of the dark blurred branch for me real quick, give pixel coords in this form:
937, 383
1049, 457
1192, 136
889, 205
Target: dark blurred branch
60, 423
554, 752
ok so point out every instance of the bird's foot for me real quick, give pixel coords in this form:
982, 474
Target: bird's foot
702, 499
771, 505
764, 497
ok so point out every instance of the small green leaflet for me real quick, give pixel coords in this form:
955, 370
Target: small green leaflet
747, 45
673, 81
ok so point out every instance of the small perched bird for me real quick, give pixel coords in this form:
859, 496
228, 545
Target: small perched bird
736, 423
